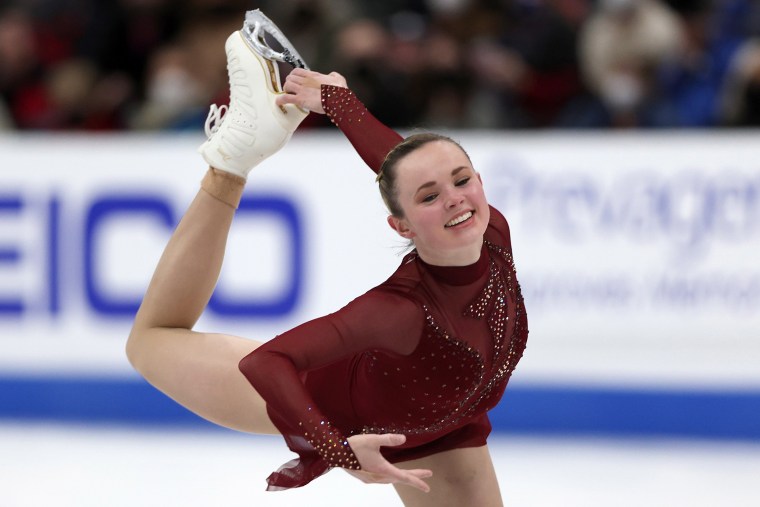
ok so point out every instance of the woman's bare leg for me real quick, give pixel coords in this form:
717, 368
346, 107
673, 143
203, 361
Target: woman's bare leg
198, 370
460, 477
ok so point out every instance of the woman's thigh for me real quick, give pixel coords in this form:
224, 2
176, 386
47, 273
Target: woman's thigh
200, 372
461, 477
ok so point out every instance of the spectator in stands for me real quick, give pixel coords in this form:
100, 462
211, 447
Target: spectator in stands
147, 64
623, 47
740, 97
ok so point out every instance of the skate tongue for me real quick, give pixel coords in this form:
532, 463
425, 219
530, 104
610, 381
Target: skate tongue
256, 27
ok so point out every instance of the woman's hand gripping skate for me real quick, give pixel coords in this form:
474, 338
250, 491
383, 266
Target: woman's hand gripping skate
302, 88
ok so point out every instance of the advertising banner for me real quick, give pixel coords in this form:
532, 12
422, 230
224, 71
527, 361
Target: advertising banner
637, 253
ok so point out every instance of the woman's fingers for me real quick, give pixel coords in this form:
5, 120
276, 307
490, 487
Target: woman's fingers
301, 72
303, 88
286, 98
294, 79
338, 80
390, 440
291, 86
367, 450
333, 78
421, 473
409, 477
302, 76
370, 478
301, 96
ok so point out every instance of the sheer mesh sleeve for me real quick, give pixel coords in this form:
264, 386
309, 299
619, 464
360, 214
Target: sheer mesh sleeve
371, 139
274, 371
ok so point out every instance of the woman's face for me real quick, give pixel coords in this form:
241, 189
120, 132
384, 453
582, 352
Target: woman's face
445, 209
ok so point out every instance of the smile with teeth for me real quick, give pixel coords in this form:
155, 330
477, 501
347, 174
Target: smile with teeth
458, 220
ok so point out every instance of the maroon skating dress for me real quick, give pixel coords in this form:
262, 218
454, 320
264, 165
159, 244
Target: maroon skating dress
426, 354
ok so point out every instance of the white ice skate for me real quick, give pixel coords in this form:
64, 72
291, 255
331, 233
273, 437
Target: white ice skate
253, 127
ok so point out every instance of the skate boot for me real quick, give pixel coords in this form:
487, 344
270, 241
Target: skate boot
253, 127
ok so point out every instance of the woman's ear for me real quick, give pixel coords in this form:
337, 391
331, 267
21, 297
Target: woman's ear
400, 226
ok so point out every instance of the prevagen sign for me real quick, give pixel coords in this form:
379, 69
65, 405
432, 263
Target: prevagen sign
690, 210
641, 263
692, 223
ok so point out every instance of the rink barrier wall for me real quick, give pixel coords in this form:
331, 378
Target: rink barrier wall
525, 409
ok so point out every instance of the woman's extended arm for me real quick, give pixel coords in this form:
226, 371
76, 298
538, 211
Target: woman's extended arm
328, 94
274, 368
200, 370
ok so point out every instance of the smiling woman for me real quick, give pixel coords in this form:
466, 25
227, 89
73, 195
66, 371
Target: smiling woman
438, 198
395, 386
432, 384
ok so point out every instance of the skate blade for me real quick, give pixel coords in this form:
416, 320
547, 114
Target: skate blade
255, 29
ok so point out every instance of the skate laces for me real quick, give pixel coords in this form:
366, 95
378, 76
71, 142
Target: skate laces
215, 119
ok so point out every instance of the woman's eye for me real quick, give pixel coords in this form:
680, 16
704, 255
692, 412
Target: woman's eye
463, 181
429, 197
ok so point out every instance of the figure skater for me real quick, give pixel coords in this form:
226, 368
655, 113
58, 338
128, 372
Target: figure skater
395, 386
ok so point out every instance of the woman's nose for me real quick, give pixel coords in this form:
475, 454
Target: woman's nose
454, 198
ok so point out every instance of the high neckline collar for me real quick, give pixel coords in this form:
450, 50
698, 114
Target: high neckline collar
459, 275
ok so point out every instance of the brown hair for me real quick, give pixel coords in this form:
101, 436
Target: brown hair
386, 177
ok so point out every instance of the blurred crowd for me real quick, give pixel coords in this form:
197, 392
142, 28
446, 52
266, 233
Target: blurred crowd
504, 64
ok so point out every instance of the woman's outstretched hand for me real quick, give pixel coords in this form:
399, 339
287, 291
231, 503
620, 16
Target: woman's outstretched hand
302, 88
376, 469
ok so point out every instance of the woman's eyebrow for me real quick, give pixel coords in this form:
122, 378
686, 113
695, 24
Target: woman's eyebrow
454, 172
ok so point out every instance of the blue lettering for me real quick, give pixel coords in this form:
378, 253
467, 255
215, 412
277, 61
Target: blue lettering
105, 208
633, 208
687, 210
9, 254
736, 207
740, 293
579, 291
53, 260
101, 210
278, 304
575, 202
690, 210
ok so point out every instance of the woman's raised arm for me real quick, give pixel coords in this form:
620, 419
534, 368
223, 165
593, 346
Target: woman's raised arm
328, 94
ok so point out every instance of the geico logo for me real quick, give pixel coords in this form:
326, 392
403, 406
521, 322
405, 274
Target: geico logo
685, 212
58, 246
